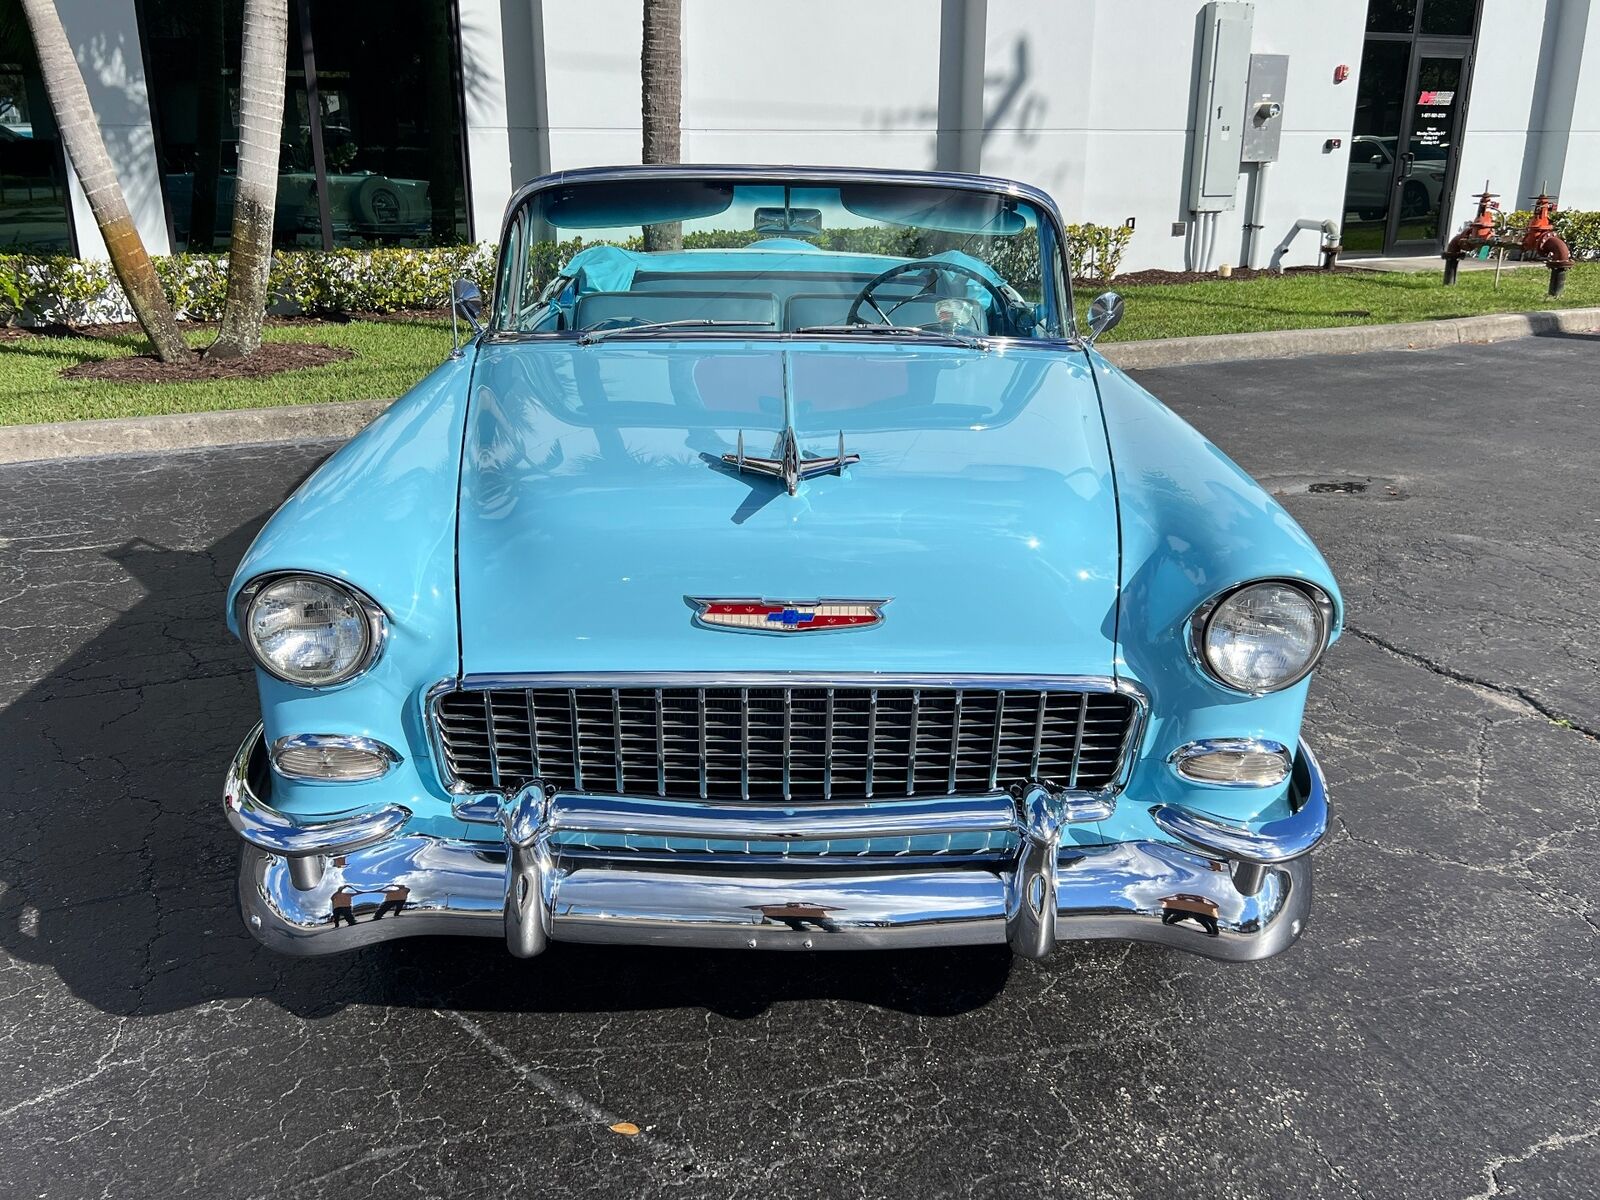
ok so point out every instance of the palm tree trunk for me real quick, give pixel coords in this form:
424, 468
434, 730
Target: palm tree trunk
661, 102
261, 69
69, 99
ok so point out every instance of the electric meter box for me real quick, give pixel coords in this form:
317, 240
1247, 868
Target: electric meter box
1263, 107
1220, 106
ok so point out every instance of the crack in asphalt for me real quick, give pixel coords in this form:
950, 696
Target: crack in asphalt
575, 1102
1556, 1141
1516, 695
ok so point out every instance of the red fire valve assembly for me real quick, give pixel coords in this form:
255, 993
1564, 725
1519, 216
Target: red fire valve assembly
1539, 239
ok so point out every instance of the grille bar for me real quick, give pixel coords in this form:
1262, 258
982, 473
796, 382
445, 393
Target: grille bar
781, 742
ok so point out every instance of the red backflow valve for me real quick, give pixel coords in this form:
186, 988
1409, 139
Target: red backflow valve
1538, 239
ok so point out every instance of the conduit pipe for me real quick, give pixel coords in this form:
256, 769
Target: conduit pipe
1330, 243
1253, 225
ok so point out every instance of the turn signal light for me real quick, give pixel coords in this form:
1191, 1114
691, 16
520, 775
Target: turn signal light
1233, 762
332, 757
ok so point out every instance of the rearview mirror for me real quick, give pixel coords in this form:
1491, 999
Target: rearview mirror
1105, 314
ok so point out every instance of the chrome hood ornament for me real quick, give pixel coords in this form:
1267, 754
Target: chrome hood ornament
787, 465
750, 615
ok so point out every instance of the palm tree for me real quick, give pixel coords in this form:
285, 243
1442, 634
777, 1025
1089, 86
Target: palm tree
661, 109
69, 99
262, 62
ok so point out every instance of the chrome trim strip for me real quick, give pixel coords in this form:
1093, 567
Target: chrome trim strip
577, 737
1246, 745
494, 749
644, 817
1077, 739
1201, 618
661, 743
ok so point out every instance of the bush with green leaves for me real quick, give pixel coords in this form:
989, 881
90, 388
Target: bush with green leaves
74, 291
1578, 229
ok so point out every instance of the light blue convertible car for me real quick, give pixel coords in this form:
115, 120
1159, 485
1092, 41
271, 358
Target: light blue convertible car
780, 567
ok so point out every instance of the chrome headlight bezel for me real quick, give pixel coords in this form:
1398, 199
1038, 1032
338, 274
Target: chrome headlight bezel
1200, 624
377, 627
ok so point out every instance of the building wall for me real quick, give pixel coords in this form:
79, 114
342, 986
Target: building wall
1533, 115
1081, 98
1090, 99
1092, 102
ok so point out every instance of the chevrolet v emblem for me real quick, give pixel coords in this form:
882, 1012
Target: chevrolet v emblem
785, 616
787, 465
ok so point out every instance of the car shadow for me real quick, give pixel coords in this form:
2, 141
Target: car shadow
117, 869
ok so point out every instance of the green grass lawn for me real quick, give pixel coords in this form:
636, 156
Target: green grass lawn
1315, 301
390, 356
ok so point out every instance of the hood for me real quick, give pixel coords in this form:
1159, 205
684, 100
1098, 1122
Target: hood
594, 502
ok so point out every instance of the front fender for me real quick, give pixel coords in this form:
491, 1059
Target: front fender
380, 514
1192, 524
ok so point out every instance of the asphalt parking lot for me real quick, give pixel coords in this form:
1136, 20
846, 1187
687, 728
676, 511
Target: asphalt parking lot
1434, 1034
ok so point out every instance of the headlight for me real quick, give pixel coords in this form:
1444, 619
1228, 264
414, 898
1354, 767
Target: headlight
309, 630
1262, 637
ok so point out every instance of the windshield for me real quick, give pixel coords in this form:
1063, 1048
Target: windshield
630, 257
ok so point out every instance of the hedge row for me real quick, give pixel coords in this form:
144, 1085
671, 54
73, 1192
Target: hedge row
1580, 230
72, 291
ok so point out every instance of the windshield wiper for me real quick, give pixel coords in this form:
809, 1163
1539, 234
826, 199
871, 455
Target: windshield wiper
959, 339
592, 336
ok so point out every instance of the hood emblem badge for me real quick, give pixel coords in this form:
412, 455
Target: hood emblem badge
786, 463
786, 616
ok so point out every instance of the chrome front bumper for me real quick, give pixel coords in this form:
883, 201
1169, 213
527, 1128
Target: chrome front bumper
319, 888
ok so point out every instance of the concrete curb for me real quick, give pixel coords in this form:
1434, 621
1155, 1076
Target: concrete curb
1351, 339
186, 431
313, 422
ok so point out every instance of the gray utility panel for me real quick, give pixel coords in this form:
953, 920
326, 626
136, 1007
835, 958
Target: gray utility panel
1219, 106
1263, 107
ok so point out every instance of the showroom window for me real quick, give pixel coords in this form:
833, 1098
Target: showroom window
372, 152
33, 174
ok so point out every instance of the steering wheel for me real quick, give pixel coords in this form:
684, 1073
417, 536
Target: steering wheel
931, 268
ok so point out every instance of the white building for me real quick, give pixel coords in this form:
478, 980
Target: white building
412, 120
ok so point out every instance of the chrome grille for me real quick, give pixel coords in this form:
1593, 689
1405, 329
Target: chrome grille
781, 744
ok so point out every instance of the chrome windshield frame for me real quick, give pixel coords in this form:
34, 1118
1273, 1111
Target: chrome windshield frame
1053, 231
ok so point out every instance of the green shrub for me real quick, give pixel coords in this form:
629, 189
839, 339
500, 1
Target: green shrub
1580, 230
72, 291
1095, 251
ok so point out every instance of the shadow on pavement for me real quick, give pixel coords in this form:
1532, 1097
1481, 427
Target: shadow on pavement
117, 869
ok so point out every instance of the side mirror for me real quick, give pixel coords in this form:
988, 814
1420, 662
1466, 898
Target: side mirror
466, 301
1105, 314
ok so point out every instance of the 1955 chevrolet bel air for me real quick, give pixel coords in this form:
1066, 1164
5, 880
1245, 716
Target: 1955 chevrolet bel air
779, 566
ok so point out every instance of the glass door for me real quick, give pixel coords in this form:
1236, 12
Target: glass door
1370, 187
1424, 168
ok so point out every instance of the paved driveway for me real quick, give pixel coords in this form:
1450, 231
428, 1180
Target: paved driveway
1436, 1033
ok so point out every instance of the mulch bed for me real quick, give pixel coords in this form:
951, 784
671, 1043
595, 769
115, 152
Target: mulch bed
1239, 273
272, 358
